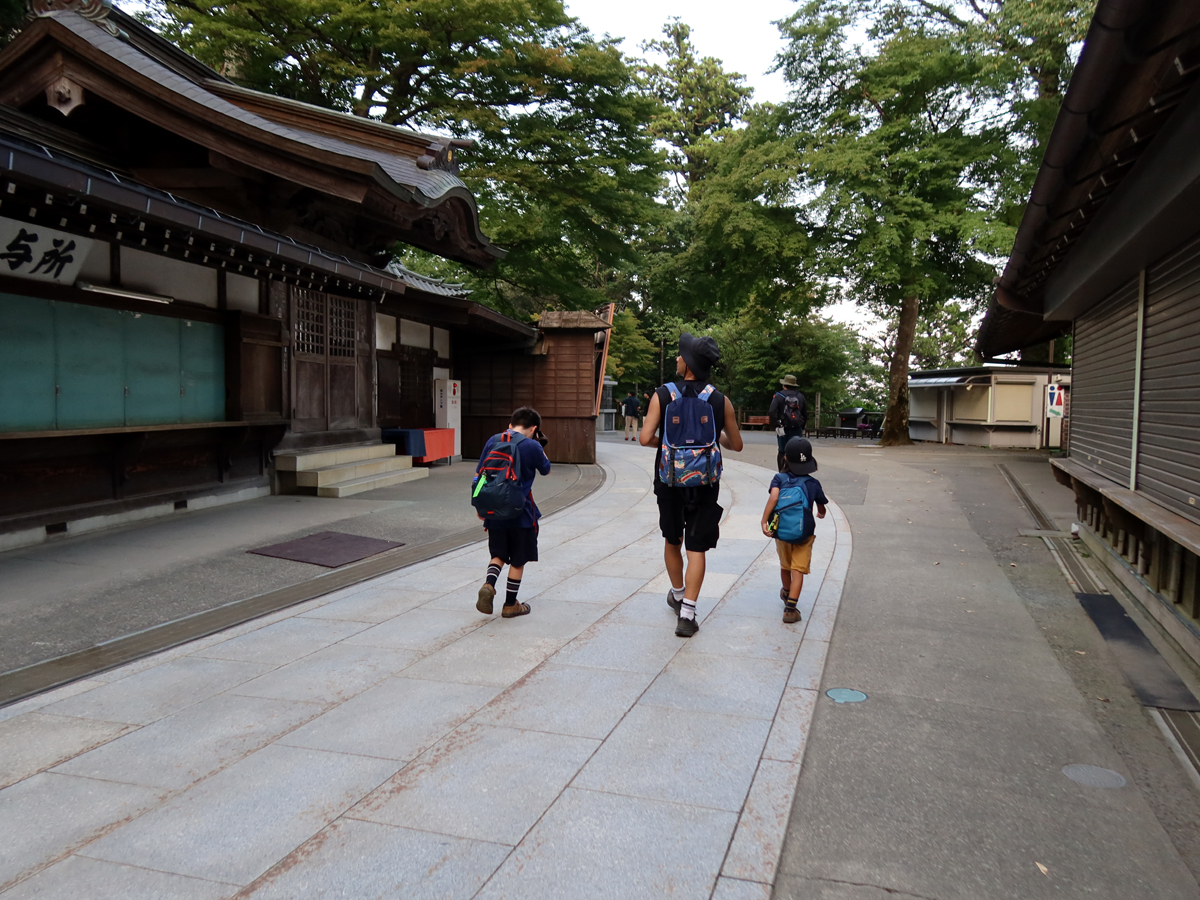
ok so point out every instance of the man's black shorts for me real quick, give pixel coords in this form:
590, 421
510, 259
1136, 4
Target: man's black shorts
691, 515
511, 545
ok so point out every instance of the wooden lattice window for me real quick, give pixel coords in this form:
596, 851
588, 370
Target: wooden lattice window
310, 323
341, 326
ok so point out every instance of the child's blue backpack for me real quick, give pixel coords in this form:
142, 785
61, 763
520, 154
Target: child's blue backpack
794, 510
496, 491
691, 454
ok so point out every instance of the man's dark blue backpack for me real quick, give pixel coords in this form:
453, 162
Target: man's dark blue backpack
794, 510
496, 491
691, 449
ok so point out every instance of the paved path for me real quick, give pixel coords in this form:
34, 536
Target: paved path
390, 741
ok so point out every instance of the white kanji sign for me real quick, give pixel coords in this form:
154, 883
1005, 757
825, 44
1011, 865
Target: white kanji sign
44, 254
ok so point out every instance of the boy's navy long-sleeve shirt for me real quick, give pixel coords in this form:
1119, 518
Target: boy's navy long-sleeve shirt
533, 461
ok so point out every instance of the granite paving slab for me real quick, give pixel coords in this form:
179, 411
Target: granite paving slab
283, 642
332, 675
45, 817
388, 862
188, 746
397, 719
372, 604
616, 848
239, 823
154, 693
423, 630
62, 881
733, 686
483, 782
37, 741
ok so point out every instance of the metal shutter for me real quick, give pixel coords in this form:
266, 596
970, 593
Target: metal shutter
1169, 429
1102, 385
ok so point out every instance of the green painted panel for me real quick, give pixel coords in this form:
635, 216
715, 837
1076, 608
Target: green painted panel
26, 364
202, 360
91, 366
151, 369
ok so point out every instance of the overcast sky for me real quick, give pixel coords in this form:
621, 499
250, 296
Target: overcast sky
739, 34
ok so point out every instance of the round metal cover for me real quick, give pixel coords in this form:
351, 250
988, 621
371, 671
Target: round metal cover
845, 695
1094, 776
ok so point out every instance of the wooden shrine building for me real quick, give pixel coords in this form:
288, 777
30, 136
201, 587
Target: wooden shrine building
194, 276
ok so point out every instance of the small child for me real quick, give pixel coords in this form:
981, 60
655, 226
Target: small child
793, 526
514, 542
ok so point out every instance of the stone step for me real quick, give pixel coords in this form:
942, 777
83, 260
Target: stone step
351, 470
371, 482
306, 460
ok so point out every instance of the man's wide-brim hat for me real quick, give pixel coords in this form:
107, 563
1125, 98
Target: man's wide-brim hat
788, 381
799, 456
699, 353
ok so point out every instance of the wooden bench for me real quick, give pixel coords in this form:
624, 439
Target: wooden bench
760, 422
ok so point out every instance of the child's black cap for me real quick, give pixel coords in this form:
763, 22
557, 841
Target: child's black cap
798, 453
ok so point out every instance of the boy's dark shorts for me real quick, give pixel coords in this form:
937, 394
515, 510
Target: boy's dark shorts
512, 545
689, 515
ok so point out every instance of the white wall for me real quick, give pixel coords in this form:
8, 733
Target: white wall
414, 334
385, 331
96, 268
241, 292
173, 278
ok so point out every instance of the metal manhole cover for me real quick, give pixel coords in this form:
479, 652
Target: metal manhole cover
1094, 776
845, 695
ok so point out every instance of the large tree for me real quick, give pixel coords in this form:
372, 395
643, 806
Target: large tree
731, 234
910, 144
564, 168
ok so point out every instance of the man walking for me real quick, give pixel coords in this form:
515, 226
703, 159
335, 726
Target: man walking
697, 420
788, 413
631, 409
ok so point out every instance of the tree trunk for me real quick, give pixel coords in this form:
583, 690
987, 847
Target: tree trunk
895, 428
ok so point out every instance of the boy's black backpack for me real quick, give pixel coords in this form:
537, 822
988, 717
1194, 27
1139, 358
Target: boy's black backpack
496, 491
791, 417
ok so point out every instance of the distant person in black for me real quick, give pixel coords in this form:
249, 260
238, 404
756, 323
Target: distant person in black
788, 413
689, 517
631, 410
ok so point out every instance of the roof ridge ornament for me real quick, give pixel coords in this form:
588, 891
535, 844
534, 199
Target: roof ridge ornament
93, 10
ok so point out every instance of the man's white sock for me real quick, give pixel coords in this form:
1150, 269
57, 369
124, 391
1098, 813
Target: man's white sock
677, 593
687, 610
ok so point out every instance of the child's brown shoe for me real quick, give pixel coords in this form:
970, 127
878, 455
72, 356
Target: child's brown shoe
514, 609
791, 615
484, 603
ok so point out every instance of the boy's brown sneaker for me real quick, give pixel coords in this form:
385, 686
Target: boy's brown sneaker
487, 593
791, 615
516, 609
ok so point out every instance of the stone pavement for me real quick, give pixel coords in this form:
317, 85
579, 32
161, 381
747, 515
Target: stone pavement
76, 591
389, 741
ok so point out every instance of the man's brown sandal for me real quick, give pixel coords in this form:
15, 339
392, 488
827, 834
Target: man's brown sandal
517, 609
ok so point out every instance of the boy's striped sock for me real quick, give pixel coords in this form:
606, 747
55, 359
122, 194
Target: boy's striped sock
493, 574
687, 610
677, 593
510, 598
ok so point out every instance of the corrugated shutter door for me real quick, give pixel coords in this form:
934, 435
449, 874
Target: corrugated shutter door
1102, 385
1169, 430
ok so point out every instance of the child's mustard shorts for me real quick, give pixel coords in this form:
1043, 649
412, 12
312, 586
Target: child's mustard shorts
797, 557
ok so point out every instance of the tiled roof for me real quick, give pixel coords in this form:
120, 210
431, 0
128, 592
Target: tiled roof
427, 187
424, 283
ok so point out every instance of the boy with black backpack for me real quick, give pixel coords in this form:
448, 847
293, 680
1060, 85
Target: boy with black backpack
697, 420
788, 518
502, 494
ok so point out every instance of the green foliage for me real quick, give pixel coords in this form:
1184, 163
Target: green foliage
632, 358
564, 169
12, 17
945, 336
913, 146
699, 104
732, 234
